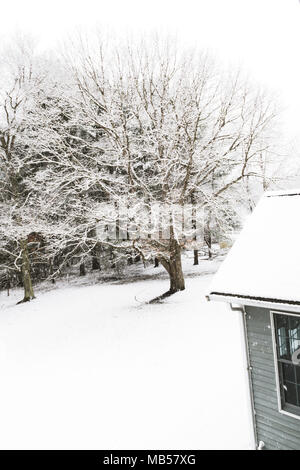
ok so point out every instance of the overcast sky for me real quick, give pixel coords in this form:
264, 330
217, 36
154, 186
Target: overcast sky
261, 35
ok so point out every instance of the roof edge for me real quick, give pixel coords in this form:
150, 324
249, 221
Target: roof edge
287, 192
263, 302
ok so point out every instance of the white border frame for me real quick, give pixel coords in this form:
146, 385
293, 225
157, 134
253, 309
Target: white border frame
272, 313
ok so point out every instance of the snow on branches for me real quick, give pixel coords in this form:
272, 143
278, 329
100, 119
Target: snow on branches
124, 130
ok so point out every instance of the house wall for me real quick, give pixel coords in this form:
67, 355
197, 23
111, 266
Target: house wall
275, 429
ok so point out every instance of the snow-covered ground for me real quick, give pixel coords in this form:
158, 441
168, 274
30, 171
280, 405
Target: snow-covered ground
94, 367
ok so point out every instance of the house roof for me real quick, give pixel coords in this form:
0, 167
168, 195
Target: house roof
263, 266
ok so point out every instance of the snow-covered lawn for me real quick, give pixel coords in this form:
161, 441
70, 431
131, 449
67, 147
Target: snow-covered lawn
93, 367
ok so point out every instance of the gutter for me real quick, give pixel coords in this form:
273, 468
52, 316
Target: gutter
280, 305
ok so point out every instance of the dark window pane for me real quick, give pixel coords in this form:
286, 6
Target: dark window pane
297, 369
287, 329
282, 336
283, 345
288, 372
290, 393
281, 321
294, 327
294, 346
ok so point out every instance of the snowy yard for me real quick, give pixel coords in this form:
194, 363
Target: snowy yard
93, 367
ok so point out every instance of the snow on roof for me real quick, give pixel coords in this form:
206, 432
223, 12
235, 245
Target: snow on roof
264, 262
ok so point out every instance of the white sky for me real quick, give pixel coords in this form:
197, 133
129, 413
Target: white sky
261, 35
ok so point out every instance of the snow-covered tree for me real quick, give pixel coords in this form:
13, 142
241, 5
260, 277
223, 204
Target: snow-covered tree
18, 85
25, 131
153, 127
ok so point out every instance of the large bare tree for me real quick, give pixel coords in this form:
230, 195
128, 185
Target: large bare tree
158, 127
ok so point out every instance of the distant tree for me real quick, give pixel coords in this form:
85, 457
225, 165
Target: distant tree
19, 83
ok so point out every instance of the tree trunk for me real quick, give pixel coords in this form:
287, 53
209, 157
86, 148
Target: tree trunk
26, 277
82, 269
207, 236
156, 262
176, 276
194, 226
95, 264
174, 268
8, 284
51, 270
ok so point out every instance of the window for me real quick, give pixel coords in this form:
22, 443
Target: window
287, 336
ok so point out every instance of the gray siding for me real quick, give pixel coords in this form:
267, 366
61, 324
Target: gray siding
275, 429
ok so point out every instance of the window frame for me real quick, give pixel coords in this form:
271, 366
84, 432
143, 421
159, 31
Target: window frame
288, 409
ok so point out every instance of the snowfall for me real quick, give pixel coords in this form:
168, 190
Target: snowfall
89, 364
